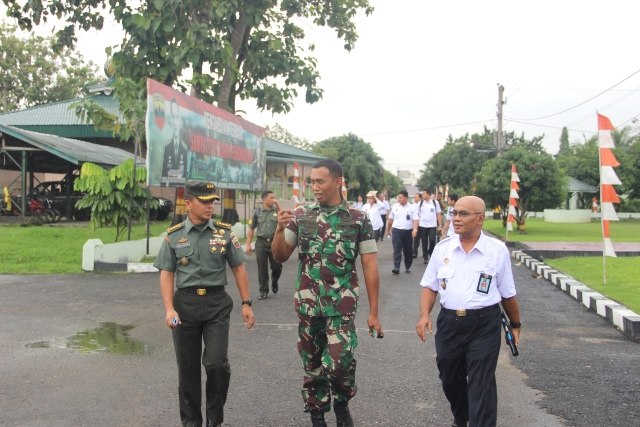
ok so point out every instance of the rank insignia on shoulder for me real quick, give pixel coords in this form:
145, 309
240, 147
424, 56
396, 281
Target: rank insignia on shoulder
174, 228
223, 224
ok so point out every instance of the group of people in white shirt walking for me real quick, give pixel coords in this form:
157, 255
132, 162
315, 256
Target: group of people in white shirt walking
409, 225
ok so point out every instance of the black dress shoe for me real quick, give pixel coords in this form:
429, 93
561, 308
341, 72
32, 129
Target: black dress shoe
274, 287
408, 270
262, 296
211, 424
395, 271
459, 424
425, 261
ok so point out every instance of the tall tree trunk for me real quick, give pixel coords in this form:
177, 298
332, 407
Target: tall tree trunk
237, 37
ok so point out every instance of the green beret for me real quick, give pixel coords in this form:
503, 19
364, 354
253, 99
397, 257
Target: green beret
202, 190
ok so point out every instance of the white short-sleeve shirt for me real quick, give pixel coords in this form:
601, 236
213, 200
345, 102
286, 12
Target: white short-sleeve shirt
374, 214
427, 213
402, 216
473, 280
450, 231
385, 207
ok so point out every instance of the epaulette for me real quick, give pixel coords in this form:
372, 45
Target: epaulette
223, 225
174, 228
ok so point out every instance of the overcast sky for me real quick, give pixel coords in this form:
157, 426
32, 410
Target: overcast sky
420, 67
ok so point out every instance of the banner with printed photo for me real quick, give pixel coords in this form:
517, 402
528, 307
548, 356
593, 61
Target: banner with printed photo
188, 139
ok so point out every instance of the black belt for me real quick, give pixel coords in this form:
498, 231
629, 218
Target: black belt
201, 290
470, 312
268, 239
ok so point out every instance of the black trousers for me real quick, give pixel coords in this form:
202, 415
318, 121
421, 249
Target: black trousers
426, 235
384, 226
204, 318
467, 350
401, 240
264, 256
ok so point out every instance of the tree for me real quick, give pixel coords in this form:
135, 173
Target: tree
31, 73
542, 184
582, 162
280, 134
391, 183
565, 148
234, 48
360, 163
109, 195
456, 164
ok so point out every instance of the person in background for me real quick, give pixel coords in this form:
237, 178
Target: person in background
401, 222
383, 212
372, 208
359, 203
447, 229
265, 221
427, 223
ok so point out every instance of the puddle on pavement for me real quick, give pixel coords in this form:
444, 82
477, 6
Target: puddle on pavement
108, 338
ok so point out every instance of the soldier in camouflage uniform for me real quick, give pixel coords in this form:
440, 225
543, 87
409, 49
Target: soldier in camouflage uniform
194, 256
329, 236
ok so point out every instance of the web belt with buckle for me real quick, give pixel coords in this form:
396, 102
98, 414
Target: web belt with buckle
461, 312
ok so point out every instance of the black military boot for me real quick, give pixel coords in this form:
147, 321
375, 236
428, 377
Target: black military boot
457, 423
317, 419
343, 417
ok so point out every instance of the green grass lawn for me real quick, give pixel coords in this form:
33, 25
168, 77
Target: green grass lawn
58, 249
55, 250
539, 231
622, 285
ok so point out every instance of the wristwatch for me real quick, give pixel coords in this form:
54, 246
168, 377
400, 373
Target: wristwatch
515, 325
247, 302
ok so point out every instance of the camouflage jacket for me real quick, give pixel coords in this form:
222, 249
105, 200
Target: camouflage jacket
329, 240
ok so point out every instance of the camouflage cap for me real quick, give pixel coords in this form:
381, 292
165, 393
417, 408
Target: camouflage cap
202, 190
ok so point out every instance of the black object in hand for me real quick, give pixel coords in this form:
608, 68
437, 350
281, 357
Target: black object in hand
508, 335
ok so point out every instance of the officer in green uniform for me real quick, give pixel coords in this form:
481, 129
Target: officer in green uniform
329, 235
265, 220
194, 256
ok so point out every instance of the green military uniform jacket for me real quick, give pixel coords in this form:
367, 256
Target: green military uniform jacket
329, 240
266, 221
199, 258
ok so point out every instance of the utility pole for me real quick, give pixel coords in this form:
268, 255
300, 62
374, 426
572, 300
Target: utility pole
500, 103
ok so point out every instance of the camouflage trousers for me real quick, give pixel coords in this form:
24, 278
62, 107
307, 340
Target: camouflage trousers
326, 346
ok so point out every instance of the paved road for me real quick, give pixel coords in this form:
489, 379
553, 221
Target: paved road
574, 369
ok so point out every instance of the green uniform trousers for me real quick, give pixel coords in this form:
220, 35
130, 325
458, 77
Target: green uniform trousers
326, 346
204, 318
264, 256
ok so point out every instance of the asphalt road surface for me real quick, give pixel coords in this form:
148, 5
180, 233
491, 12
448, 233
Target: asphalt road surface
574, 368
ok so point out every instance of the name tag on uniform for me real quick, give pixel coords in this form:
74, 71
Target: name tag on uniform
484, 283
183, 245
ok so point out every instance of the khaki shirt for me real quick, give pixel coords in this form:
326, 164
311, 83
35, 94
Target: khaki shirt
199, 258
265, 222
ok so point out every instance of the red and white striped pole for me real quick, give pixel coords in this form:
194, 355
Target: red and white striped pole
513, 196
608, 179
296, 186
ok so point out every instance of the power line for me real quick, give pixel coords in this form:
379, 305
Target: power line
582, 103
547, 126
423, 129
